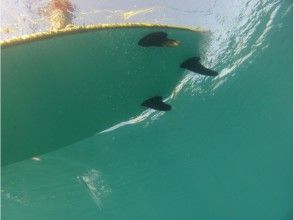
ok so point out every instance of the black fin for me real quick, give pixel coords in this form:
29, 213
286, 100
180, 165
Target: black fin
156, 103
193, 64
158, 39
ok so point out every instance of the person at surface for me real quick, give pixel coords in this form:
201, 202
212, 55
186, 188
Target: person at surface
59, 13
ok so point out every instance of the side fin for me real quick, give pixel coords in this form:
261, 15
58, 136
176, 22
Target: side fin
193, 64
158, 39
156, 103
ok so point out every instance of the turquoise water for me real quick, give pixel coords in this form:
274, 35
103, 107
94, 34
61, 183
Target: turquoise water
223, 152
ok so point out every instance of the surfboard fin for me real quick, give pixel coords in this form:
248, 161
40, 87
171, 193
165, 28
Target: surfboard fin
158, 39
156, 103
193, 64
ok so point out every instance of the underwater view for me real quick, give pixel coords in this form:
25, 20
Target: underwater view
122, 110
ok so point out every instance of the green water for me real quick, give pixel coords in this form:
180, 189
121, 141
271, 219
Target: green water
224, 153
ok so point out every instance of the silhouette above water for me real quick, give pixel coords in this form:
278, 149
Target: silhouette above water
158, 39
193, 64
59, 13
156, 103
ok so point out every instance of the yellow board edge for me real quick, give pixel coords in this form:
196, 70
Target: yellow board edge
72, 29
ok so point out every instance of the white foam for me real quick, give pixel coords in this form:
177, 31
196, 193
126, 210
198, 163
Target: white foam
94, 184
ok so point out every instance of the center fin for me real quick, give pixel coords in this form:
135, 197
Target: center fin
193, 64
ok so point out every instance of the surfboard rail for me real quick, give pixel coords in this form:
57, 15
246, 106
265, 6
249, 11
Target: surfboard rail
73, 29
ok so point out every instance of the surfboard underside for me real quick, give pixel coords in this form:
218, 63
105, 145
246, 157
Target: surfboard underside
62, 89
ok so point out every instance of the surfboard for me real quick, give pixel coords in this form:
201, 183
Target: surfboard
59, 87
